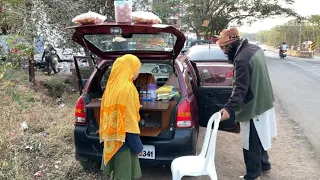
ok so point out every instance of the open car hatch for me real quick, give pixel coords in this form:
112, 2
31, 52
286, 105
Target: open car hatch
147, 41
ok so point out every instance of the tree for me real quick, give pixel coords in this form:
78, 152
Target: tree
221, 13
314, 21
308, 28
166, 9
55, 16
11, 16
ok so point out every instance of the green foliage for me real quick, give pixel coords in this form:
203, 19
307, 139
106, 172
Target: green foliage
4, 68
166, 9
14, 2
290, 32
11, 16
50, 17
56, 15
9, 86
23, 100
18, 52
222, 12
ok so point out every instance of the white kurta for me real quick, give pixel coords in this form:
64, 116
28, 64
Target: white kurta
266, 127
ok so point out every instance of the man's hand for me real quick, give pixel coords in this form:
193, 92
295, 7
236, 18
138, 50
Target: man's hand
224, 114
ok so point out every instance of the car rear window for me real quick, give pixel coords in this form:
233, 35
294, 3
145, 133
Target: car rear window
145, 42
201, 54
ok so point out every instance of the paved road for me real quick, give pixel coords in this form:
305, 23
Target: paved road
296, 83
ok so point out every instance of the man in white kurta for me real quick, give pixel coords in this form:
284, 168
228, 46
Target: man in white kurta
251, 101
266, 128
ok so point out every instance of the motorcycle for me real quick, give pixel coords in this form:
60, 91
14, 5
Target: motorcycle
283, 54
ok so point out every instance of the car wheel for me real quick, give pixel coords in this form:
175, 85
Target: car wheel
90, 165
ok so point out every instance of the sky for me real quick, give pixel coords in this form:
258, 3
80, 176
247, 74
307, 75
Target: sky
303, 7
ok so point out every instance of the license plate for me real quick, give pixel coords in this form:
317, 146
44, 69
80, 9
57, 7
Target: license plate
149, 152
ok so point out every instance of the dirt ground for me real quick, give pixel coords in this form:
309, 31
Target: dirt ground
47, 145
291, 155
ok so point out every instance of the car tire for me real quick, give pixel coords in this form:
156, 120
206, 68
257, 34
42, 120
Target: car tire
90, 165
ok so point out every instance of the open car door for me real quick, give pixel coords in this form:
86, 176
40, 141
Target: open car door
83, 67
214, 83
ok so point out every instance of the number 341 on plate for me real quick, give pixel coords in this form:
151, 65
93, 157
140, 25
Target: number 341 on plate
148, 152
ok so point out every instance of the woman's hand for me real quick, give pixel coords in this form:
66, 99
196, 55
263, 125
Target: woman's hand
140, 154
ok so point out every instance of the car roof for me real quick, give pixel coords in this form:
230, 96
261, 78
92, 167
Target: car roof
206, 52
205, 46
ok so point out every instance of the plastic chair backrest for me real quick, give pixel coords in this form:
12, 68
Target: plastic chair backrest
211, 151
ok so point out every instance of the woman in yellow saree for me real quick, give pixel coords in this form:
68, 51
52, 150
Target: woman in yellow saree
119, 118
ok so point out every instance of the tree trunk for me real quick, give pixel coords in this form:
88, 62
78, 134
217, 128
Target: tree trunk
32, 78
198, 35
4, 30
28, 19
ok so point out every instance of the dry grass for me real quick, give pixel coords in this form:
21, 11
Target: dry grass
47, 145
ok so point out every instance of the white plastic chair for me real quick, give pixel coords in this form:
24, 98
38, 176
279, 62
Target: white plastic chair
203, 164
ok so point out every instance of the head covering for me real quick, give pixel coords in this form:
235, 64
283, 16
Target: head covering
119, 105
228, 36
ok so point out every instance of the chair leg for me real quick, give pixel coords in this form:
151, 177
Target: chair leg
213, 175
176, 176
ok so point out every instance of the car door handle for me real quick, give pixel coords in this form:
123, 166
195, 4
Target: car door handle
209, 94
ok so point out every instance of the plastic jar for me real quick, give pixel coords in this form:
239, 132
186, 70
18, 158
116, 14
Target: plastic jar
144, 94
123, 10
152, 88
149, 95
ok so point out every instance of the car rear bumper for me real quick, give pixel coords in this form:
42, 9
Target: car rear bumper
183, 143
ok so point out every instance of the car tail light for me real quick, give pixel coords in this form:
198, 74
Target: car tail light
229, 75
184, 116
80, 114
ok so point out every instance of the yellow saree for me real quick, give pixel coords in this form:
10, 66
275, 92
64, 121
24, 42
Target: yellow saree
120, 105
